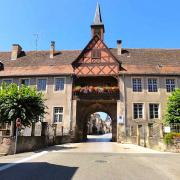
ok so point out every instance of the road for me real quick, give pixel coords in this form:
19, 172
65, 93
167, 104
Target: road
92, 160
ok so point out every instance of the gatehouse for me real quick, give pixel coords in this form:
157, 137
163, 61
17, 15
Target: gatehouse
130, 85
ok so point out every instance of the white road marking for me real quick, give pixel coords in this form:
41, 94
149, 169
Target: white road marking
22, 160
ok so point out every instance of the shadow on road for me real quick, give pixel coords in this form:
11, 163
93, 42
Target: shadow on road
59, 147
37, 171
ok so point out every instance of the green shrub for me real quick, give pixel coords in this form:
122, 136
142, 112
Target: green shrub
20, 102
168, 138
173, 108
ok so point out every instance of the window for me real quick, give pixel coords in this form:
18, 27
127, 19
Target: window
41, 118
170, 85
154, 111
1, 66
58, 114
59, 84
25, 82
96, 54
7, 81
41, 85
138, 110
152, 85
150, 126
137, 86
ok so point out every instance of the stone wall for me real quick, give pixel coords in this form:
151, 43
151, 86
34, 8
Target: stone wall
7, 145
38, 136
29, 143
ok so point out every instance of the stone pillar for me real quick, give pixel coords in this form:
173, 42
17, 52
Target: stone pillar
12, 129
138, 135
144, 134
74, 116
44, 130
62, 130
147, 135
161, 130
44, 133
121, 110
55, 129
33, 129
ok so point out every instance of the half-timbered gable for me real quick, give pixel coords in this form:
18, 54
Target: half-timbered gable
96, 60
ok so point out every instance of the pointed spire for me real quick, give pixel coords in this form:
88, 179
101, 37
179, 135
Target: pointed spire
97, 17
97, 28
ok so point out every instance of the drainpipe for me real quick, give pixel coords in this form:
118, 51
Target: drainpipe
125, 107
71, 114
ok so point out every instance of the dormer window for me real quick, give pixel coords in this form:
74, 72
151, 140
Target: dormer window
96, 54
1, 66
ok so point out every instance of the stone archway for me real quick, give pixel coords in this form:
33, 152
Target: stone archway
86, 108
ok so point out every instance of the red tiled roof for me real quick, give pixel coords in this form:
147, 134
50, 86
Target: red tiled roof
147, 69
134, 61
37, 70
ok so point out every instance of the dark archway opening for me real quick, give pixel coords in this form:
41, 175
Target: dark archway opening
84, 111
99, 127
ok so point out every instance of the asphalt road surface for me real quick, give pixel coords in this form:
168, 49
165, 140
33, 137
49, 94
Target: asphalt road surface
93, 160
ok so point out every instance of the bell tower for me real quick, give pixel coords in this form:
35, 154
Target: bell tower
97, 28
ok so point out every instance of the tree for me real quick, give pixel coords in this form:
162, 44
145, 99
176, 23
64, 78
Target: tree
173, 110
20, 102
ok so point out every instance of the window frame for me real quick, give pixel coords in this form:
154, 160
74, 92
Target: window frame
153, 110
138, 118
53, 114
175, 83
43, 119
7, 79
132, 85
45, 91
24, 79
157, 84
97, 53
54, 87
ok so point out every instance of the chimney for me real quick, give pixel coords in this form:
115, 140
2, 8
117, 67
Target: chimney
119, 47
16, 51
52, 49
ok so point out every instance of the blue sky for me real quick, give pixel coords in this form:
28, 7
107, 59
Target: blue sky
139, 23
103, 115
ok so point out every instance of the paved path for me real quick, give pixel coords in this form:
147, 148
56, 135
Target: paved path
92, 160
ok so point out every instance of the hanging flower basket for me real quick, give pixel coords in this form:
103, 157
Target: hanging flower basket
77, 89
95, 89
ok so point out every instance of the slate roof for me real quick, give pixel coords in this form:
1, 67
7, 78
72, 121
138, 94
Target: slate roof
97, 17
133, 61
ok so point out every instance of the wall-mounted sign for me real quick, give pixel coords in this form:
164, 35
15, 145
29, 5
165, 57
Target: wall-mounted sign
167, 129
120, 119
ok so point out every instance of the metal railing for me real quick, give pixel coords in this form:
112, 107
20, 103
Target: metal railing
175, 127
